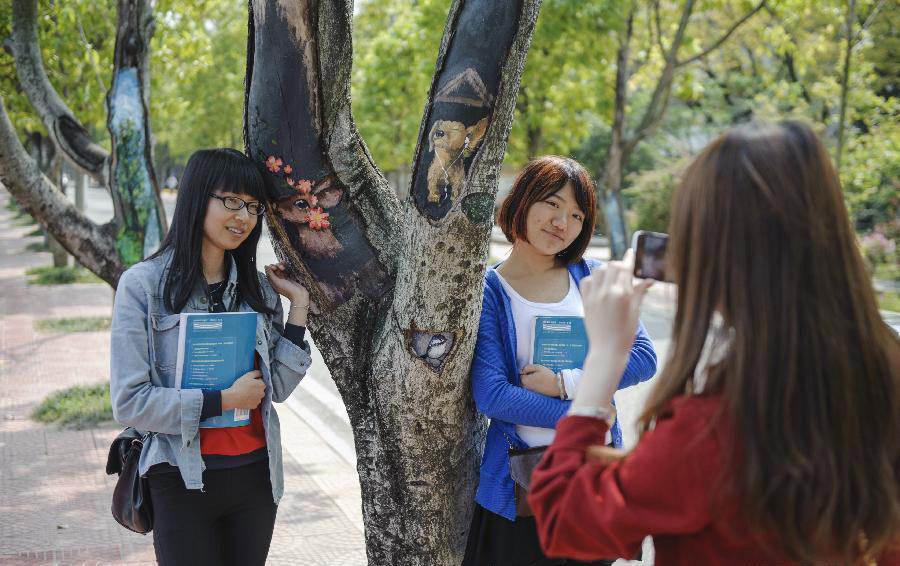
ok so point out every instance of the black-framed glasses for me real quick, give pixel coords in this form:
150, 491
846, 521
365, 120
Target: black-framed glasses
255, 208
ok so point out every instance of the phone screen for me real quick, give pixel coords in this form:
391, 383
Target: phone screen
650, 255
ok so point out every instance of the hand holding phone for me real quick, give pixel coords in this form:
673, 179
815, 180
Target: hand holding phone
650, 255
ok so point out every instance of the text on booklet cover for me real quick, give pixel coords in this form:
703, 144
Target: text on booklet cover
559, 342
214, 349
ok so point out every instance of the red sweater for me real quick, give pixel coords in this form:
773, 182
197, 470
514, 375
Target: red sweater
590, 510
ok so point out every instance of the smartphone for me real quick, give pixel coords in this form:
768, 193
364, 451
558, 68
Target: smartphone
650, 255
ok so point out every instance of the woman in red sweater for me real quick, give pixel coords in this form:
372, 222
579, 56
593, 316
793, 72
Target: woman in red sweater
773, 434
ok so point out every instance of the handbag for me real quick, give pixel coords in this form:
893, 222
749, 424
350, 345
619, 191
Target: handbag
522, 462
131, 497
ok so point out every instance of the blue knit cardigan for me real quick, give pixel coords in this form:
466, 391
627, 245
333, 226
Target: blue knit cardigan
499, 395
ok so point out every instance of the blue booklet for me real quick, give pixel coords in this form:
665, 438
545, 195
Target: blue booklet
559, 342
214, 349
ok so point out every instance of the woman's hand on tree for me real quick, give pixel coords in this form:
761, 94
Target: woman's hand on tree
539, 379
295, 292
245, 393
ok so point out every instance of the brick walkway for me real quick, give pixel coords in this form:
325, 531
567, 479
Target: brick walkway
54, 494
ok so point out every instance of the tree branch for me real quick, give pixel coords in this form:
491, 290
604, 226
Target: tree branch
659, 41
658, 102
718, 43
858, 38
64, 129
92, 245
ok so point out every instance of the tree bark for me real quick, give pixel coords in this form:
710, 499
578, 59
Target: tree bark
133, 185
64, 129
610, 184
845, 84
396, 285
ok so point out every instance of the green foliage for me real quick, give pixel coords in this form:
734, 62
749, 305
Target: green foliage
395, 47
69, 325
77, 39
198, 62
48, 275
37, 247
650, 196
889, 301
76, 407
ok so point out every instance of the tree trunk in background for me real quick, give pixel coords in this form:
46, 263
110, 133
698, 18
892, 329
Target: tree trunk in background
80, 186
845, 84
396, 286
59, 253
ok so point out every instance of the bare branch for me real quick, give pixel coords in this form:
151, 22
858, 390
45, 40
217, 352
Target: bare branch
659, 41
718, 43
65, 130
92, 245
859, 35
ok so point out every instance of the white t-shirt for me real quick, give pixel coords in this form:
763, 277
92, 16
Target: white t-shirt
523, 313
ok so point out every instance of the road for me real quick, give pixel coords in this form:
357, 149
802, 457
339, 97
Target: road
317, 400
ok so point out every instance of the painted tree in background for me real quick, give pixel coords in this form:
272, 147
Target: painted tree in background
139, 222
396, 285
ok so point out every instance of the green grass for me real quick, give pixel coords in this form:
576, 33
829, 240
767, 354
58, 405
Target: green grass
77, 407
889, 301
888, 272
36, 232
48, 275
68, 325
22, 218
37, 247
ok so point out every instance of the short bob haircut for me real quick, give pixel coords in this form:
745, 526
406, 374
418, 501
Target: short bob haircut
541, 178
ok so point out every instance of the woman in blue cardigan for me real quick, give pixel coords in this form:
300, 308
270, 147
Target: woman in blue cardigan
549, 218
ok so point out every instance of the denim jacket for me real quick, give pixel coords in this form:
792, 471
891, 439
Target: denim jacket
144, 347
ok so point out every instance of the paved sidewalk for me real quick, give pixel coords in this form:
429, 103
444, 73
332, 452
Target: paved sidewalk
54, 494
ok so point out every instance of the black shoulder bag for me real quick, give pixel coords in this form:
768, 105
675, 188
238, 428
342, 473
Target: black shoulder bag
131, 497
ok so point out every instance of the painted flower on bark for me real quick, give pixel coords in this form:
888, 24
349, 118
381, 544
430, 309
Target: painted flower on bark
273, 164
304, 186
288, 169
318, 219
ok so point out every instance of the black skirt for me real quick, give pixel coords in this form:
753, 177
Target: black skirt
496, 541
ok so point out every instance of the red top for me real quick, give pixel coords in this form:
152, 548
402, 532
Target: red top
664, 487
236, 440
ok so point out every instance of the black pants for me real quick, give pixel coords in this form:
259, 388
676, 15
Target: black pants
229, 522
497, 541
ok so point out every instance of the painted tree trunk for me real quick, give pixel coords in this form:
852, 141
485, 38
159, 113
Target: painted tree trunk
396, 286
133, 184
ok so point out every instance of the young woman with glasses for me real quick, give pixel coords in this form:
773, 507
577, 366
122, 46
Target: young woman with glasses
214, 491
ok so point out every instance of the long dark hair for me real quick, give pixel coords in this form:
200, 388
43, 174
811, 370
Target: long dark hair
810, 379
542, 177
211, 171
